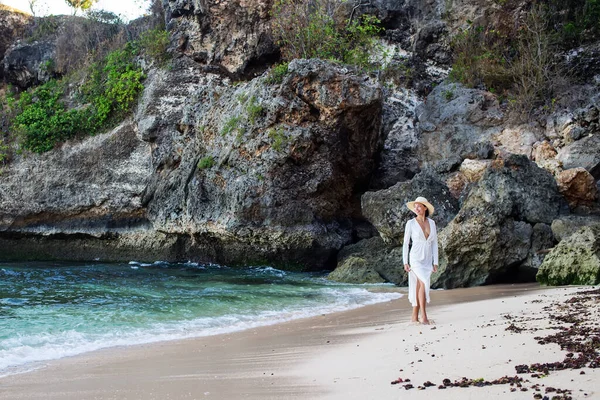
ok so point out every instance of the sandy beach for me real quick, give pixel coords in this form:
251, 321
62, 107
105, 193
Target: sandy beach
350, 355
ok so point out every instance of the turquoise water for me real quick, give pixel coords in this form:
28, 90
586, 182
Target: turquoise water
52, 310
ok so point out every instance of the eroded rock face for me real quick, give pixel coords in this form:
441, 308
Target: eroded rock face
233, 36
12, 26
232, 174
27, 64
457, 123
583, 153
284, 164
64, 204
574, 261
492, 234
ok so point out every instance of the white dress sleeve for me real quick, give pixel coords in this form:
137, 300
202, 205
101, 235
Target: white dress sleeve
406, 242
434, 246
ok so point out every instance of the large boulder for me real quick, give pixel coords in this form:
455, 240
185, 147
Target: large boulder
457, 123
386, 209
566, 225
491, 237
574, 261
578, 186
370, 261
583, 153
230, 36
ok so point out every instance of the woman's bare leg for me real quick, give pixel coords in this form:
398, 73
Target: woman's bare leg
422, 301
415, 314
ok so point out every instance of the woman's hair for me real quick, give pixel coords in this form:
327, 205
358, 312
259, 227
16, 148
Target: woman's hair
426, 212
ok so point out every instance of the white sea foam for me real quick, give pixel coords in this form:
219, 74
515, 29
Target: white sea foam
22, 353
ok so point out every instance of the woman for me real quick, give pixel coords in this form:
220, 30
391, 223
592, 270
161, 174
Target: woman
423, 255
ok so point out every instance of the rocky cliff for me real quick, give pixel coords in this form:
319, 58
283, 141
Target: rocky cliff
220, 162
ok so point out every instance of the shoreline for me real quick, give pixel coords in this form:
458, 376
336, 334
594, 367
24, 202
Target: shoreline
306, 358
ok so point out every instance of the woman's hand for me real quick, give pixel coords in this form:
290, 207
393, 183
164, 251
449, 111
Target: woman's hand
435, 267
407, 267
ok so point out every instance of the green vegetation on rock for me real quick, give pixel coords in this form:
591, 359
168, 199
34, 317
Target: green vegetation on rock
320, 29
206, 162
49, 114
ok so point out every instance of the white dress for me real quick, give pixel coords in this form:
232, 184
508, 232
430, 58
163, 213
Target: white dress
423, 255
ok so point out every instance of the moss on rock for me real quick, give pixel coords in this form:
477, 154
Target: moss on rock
574, 261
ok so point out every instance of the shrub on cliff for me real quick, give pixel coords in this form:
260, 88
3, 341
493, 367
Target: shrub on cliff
42, 119
515, 61
320, 29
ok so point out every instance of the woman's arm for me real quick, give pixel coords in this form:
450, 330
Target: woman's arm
434, 247
405, 246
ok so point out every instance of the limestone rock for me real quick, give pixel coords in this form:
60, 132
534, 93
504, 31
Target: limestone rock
518, 140
583, 153
370, 259
457, 123
574, 261
13, 25
233, 174
90, 188
355, 270
457, 182
566, 225
283, 162
473, 169
491, 236
398, 160
543, 151
386, 209
231, 36
578, 186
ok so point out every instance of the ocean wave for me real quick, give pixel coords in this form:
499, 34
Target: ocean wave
23, 352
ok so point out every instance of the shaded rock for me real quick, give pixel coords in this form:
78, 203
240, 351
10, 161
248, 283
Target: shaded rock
370, 260
542, 239
578, 186
583, 153
491, 236
397, 159
13, 25
574, 261
386, 209
566, 225
457, 123
26, 64
230, 36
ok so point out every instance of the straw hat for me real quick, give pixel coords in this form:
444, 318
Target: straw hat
422, 200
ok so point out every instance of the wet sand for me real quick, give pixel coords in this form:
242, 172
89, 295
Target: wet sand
349, 355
